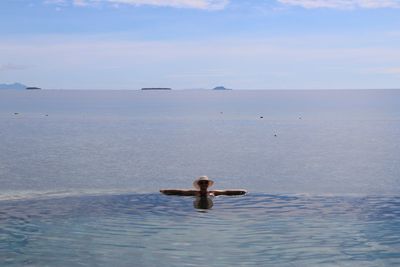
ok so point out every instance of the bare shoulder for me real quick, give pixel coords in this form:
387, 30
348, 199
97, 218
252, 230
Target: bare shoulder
230, 192
179, 192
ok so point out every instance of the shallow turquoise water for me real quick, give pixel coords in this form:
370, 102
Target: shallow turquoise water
157, 230
80, 173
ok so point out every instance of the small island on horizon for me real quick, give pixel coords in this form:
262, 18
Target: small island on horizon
12, 86
17, 86
221, 88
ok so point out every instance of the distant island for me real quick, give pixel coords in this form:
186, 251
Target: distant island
17, 86
156, 88
221, 88
13, 86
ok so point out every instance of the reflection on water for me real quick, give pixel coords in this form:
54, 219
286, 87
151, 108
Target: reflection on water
203, 203
158, 230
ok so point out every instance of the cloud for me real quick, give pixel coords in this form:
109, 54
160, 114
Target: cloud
59, 2
221, 4
343, 4
195, 4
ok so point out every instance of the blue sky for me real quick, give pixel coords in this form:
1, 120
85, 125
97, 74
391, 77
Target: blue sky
243, 44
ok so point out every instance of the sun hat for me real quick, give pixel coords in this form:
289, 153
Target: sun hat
202, 178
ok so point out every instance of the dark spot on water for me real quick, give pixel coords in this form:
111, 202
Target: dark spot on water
16, 113
261, 117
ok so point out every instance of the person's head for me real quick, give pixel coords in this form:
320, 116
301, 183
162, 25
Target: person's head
202, 183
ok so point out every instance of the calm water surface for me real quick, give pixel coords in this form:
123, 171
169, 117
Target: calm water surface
155, 230
80, 172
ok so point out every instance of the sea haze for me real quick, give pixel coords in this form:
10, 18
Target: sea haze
278, 142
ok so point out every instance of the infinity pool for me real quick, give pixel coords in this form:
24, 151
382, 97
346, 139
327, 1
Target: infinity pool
157, 230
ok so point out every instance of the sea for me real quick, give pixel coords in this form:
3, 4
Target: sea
81, 170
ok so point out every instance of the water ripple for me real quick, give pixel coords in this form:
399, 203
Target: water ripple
158, 230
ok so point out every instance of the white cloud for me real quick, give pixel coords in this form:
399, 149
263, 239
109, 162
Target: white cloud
55, 2
343, 4
199, 4
221, 4
195, 4
80, 2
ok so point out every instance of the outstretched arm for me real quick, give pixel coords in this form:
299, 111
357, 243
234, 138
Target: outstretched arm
233, 192
179, 192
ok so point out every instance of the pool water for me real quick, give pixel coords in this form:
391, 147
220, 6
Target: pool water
158, 230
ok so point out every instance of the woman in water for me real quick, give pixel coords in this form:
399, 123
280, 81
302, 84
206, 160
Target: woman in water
202, 184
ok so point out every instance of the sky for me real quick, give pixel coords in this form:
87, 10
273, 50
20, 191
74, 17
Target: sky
189, 44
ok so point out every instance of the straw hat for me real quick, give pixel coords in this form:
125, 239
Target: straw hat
202, 178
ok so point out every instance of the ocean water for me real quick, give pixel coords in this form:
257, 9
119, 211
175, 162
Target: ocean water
80, 173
